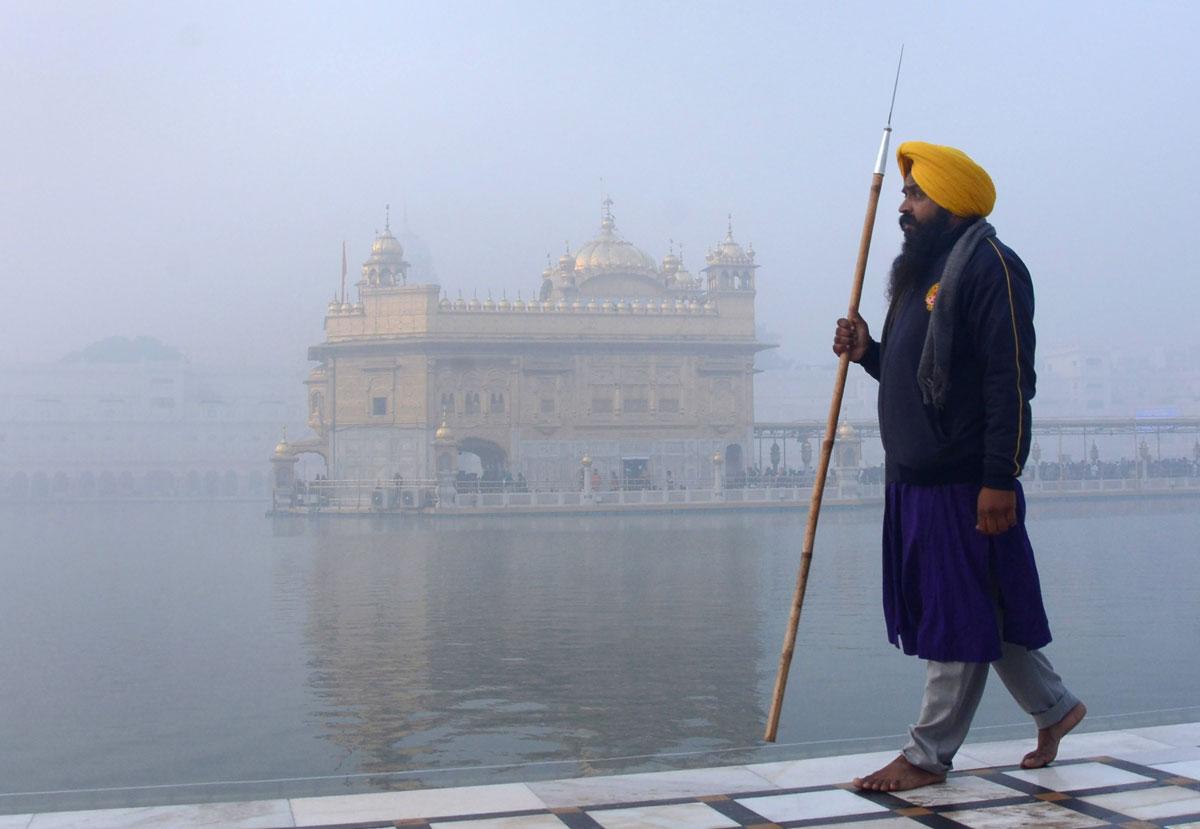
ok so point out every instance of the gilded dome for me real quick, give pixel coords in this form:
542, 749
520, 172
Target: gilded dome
671, 264
387, 246
443, 432
608, 252
386, 266
729, 252
846, 431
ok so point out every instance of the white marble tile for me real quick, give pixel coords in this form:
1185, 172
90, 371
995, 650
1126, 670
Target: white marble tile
677, 816
15, 821
1105, 744
958, 790
1186, 768
663, 785
1081, 776
1041, 815
253, 814
1174, 754
1000, 752
542, 821
964, 761
882, 823
1097, 744
1195, 824
1182, 734
1150, 804
810, 805
426, 803
822, 771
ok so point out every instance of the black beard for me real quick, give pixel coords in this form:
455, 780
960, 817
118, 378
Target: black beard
922, 246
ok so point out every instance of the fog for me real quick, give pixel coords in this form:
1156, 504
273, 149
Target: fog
189, 171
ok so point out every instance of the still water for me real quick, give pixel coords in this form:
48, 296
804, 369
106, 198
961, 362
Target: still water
187, 652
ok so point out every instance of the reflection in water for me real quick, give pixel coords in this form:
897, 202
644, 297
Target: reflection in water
537, 639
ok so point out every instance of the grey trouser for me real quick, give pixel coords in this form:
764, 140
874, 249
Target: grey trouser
953, 691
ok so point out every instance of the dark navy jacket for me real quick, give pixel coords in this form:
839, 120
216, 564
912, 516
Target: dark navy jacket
981, 436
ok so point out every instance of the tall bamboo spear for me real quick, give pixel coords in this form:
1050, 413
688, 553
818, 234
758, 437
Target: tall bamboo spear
835, 408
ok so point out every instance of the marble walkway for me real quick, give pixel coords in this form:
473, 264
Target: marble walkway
1134, 778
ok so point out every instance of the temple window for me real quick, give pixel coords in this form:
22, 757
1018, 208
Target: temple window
471, 403
602, 399
497, 403
447, 403
547, 405
635, 399
378, 406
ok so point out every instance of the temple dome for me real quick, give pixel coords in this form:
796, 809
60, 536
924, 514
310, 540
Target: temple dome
609, 253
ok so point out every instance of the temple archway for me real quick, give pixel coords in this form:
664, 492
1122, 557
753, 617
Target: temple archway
733, 459
482, 460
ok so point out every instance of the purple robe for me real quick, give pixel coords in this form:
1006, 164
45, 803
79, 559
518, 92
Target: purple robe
944, 582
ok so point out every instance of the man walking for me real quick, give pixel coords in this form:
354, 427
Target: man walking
955, 371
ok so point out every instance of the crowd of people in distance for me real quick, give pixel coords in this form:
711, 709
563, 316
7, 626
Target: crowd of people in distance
755, 478
392, 494
490, 480
1124, 469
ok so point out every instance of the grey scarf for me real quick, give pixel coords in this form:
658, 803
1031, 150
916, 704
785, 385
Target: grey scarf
933, 374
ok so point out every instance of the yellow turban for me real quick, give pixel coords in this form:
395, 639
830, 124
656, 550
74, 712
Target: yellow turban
949, 177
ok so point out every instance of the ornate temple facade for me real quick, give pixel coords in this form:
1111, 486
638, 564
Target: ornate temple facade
639, 365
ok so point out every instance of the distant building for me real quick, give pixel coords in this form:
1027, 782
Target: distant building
133, 418
639, 365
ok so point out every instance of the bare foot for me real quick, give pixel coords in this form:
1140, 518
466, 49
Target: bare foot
1049, 738
897, 776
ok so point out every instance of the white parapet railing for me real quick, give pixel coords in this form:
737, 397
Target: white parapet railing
365, 496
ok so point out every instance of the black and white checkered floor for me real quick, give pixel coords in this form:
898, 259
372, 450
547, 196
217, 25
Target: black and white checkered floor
1147, 777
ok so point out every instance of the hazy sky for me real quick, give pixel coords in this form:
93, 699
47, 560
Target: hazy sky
189, 170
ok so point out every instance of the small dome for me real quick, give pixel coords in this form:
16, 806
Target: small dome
474, 304
387, 245
334, 307
586, 460
670, 264
519, 305
460, 304
443, 432
846, 431
730, 253
347, 308
282, 448
489, 304
444, 304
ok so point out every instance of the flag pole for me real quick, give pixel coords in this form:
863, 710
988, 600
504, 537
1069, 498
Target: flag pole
835, 408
